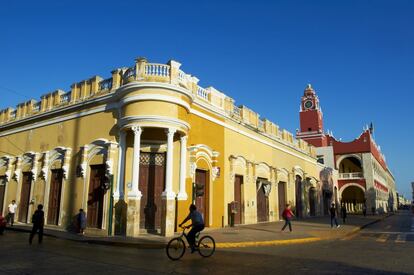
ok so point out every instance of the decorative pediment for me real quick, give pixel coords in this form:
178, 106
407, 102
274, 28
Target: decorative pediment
102, 147
5, 166
282, 174
202, 151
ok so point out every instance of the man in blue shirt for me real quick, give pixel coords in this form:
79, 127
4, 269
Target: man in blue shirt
197, 224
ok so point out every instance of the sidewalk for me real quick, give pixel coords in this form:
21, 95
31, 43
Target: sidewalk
263, 234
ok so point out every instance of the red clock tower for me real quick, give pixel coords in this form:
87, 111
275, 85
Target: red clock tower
311, 119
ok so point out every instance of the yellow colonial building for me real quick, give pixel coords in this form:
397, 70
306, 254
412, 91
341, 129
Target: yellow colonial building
136, 149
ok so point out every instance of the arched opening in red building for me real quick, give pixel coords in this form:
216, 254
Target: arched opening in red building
350, 167
353, 197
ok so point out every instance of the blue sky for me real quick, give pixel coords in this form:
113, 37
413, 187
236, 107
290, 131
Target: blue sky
358, 55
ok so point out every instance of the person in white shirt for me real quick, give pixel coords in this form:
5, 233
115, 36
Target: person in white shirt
12, 211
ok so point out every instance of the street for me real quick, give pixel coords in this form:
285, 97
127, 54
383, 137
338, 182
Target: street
382, 248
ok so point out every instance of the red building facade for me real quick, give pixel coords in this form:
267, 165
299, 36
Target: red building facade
364, 180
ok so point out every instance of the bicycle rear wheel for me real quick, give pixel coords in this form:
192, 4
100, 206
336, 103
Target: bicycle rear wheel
206, 246
175, 248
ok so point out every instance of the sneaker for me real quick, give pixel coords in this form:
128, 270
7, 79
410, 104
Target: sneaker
338, 226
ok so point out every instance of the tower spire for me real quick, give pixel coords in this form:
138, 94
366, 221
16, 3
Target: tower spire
311, 122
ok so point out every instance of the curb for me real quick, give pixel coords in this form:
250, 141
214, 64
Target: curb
160, 245
267, 243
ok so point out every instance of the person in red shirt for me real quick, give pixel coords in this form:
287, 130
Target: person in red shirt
287, 216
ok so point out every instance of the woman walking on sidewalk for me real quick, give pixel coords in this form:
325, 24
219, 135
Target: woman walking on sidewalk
287, 216
332, 210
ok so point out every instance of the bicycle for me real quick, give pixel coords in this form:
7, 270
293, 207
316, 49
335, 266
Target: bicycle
176, 247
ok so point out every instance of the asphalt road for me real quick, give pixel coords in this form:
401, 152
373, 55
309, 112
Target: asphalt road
383, 248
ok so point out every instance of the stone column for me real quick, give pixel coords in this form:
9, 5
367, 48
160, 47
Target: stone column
135, 163
134, 196
168, 192
119, 192
168, 196
182, 194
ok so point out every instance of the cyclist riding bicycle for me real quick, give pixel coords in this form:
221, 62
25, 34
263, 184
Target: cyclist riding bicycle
197, 224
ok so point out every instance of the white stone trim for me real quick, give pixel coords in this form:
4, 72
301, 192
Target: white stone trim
342, 157
132, 86
130, 121
155, 97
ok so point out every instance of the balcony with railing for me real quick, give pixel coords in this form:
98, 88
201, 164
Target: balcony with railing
154, 69
236, 111
202, 93
349, 176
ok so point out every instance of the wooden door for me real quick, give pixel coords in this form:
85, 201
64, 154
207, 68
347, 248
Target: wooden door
238, 181
96, 196
262, 205
201, 195
298, 207
282, 198
55, 193
2, 193
312, 201
151, 185
25, 196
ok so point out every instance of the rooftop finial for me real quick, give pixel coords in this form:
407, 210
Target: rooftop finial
309, 90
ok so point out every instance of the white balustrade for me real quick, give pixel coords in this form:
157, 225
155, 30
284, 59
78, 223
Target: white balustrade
261, 124
354, 175
129, 73
13, 114
236, 111
202, 93
65, 98
153, 69
36, 106
105, 84
181, 75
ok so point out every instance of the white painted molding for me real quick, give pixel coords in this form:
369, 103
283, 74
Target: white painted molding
133, 86
155, 97
130, 121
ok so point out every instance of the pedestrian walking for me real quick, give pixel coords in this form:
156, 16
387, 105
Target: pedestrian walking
12, 210
81, 221
364, 210
332, 210
3, 224
343, 213
38, 220
287, 215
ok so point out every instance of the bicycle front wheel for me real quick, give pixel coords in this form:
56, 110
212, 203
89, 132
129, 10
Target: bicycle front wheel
175, 248
206, 246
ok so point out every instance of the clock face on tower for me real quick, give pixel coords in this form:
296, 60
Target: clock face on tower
308, 104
